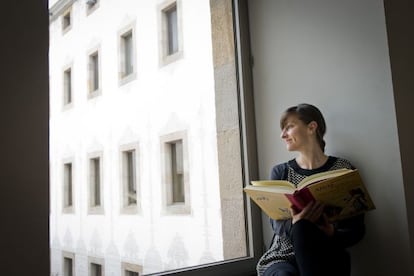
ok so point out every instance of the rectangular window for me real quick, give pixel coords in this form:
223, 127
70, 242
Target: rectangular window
95, 184
172, 29
170, 32
175, 173
127, 54
66, 21
67, 266
129, 269
67, 186
131, 273
129, 178
67, 86
94, 74
95, 269
91, 5
176, 170
68, 263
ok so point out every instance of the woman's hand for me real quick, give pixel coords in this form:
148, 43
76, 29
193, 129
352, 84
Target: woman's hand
314, 213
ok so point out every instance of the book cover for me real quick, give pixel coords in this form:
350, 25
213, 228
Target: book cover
341, 191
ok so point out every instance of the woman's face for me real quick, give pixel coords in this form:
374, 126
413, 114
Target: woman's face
296, 134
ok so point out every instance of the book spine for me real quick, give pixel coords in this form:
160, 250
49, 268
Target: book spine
296, 201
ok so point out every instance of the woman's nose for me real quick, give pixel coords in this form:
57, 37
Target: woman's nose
283, 134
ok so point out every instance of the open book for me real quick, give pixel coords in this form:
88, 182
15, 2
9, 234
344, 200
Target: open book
341, 191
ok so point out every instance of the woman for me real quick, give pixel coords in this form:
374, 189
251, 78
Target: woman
307, 245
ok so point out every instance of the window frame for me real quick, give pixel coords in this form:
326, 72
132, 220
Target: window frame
130, 267
122, 75
90, 8
169, 207
95, 209
67, 26
68, 255
133, 208
163, 34
67, 104
68, 209
91, 67
96, 261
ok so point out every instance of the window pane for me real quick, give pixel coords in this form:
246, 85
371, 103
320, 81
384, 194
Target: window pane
68, 185
174, 200
68, 86
172, 30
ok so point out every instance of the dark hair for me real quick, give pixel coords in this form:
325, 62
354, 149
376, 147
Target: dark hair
307, 113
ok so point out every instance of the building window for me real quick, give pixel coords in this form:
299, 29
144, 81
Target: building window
130, 178
67, 21
68, 264
67, 187
91, 6
94, 74
95, 184
175, 173
131, 269
67, 86
170, 32
95, 269
127, 56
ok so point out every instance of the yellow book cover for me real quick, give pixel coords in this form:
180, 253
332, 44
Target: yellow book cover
341, 191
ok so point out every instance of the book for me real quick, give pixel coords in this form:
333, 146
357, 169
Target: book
342, 192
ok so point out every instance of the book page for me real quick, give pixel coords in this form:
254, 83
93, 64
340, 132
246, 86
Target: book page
275, 205
322, 176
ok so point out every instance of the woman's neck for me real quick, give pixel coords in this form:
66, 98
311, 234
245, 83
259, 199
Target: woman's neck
311, 160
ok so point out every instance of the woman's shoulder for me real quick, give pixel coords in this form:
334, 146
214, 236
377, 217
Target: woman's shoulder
340, 163
279, 171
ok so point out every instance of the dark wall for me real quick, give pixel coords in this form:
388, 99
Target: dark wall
400, 30
24, 111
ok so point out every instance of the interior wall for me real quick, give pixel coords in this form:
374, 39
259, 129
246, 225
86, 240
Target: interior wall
24, 204
334, 54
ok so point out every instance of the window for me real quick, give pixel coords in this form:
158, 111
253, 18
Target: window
175, 174
68, 263
67, 187
129, 269
127, 56
95, 269
66, 21
189, 216
67, 86
170, 32
91, 6
95, 184
130, 179
94, 74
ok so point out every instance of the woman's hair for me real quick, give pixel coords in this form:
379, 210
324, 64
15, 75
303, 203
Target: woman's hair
307, 113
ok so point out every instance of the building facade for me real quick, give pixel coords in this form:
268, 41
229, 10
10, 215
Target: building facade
134, 140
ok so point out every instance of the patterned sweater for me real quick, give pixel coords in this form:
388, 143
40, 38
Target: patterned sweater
347, 232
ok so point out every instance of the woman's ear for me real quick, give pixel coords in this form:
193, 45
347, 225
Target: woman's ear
312, 126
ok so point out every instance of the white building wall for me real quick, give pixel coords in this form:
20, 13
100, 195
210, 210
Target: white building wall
161, 100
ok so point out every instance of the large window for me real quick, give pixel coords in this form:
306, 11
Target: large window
161, 159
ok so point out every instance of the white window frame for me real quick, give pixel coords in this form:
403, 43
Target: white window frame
67, 25
68, 255
90, 8
67, 88
127, 208
163, 33
130, 267
96, 261
68, 208
124, 76
92, 75
171, 207
92, 208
